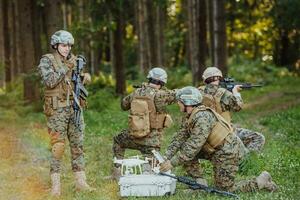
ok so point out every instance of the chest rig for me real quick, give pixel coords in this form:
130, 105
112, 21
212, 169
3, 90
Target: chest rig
219, 132
60, 95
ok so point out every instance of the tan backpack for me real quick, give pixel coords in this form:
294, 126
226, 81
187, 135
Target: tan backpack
139, 117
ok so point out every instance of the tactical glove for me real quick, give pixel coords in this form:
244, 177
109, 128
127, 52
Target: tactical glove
165, 166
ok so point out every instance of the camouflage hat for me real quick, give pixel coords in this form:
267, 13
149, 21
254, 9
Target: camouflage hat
158, 74
62, 37
210, 72
189, 96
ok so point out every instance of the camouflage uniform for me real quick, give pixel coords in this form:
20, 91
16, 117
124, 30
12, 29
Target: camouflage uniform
187, 145
254, 141
124, 140
60, 120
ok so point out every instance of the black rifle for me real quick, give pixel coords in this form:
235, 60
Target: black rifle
229, 83
79, 91
196, 186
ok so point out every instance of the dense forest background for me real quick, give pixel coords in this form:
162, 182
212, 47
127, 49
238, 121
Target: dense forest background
251, 40
123, 39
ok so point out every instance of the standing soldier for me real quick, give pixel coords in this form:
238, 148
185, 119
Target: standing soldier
206, 134
224, 101
147, 119
56, 71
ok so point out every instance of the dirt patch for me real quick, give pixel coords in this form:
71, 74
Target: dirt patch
18, 175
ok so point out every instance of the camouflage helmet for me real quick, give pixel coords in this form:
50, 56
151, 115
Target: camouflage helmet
211, 72
158, 74
62, 37
189, 96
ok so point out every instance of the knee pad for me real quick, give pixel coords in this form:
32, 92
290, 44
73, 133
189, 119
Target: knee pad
58, 150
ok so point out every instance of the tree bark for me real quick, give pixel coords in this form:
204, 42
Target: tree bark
27, 50
17, 32
195, 39
159, 13
6, 39
2, 77
202, 38
143, 36
53, 17
220, 41
118, 48
211, 31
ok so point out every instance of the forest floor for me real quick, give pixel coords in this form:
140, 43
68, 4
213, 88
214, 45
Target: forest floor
24, 148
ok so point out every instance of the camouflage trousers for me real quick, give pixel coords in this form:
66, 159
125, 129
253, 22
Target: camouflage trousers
124, 141
225, 163
61, 126
252, 140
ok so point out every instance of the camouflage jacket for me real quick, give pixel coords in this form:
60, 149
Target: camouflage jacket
187, 143
229, 102
51, 77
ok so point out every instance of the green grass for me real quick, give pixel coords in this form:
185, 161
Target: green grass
278, 118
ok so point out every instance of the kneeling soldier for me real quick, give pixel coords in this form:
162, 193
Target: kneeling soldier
147, 118
206, 135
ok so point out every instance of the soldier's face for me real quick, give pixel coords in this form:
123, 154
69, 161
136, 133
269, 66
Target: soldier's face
64, 49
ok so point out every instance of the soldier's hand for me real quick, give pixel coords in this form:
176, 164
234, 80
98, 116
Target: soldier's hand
236, 89
86, 78
165, 166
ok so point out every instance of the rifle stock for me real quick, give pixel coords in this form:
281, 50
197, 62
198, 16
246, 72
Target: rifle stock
196, 186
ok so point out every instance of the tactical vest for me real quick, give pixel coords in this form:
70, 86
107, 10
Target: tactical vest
219, 132
143, 116
214, 102
60, 95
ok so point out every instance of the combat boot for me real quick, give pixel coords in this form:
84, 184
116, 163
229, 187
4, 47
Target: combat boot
55, 181
264, 181
81, 184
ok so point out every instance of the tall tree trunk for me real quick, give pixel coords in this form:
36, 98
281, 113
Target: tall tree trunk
2, 77
143, 37
118, 46
211, 31
11, 31
284, 47
37, 26
17, 32
159, 13
202, 38
220, 41
151, 33
53, 17
194, 39
111, 51
7, 39
27, 50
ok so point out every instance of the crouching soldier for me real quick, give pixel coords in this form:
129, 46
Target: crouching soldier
206, 135
56, 72
147, 118
224, 102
